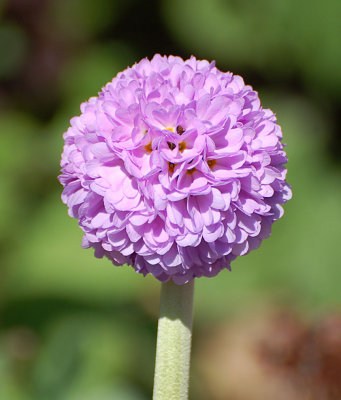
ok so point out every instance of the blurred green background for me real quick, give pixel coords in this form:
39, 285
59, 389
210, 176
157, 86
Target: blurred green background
75, 327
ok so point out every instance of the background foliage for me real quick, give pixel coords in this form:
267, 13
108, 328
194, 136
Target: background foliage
74, 327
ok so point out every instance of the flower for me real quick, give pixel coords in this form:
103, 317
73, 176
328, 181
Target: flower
175, 168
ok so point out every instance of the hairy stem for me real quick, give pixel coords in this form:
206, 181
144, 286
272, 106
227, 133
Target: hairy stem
173, 348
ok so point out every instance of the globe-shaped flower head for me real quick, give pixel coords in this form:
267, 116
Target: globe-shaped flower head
175, 168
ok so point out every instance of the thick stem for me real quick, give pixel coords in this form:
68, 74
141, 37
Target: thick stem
173, 348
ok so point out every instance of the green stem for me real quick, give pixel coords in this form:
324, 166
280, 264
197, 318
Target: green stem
173, 348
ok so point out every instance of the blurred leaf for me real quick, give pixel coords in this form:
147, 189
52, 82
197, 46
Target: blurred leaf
242, 33
9, 387
13, 49
317, 26
87, 73
17, 136
2, 4
9, 206
82, 19
50, 262
16, 160
109, 392
274, 37
84, 355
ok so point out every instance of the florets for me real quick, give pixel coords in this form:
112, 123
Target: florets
175, 169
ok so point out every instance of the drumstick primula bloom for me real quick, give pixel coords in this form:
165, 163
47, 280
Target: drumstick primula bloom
174, 168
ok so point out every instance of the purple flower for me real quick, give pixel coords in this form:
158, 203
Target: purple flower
175, 169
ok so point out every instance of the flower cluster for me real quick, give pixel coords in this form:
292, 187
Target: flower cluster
175, 169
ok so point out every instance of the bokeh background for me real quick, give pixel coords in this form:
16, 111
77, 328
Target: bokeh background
75, 327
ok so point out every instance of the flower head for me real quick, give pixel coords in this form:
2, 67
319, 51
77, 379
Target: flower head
175, 169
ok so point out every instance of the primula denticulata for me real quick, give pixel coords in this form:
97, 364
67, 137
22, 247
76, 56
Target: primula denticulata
176, 169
